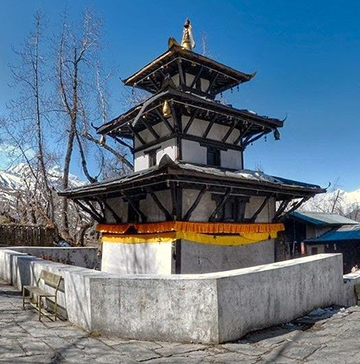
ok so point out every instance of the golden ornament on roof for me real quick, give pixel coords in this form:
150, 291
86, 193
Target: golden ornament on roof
166, 110
188, 41
102, 140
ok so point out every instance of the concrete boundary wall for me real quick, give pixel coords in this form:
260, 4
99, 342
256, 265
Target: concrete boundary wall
80, 256
207, 308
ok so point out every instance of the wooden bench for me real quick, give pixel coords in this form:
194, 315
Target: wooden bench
50, 279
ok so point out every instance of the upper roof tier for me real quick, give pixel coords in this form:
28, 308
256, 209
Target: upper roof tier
149, 113
187, 64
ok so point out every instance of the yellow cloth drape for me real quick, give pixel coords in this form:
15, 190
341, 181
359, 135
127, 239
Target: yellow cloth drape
169, 237
193, 227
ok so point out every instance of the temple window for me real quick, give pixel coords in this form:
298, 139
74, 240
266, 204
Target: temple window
152, 158
233, 210
213, 157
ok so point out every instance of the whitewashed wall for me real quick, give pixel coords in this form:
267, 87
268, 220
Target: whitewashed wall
152, 258
141, 159
206, 258
207, 308
151, 209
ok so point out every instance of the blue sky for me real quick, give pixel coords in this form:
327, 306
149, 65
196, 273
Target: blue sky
306, 53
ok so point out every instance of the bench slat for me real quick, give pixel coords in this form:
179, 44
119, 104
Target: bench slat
38, 291
50, 279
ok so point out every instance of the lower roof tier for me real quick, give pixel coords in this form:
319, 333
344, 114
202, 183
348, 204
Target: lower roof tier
186, 175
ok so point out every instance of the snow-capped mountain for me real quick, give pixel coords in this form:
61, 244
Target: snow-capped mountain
337, 201
17, 179
17, 176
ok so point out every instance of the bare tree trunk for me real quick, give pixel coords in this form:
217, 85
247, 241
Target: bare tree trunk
39, 130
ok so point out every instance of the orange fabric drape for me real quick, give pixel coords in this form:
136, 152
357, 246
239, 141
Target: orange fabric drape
192, 227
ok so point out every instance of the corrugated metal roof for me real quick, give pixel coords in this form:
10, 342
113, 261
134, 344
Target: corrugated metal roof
344, 233
322, 219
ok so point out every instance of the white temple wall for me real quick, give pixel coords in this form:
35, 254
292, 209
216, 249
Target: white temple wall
141, 159
151, 209
207, 205
195, 153
168, 147
231, 159
217, 131
189, 79
151, 258
203, 210
201, 213
206, 258
268, 212
160, 128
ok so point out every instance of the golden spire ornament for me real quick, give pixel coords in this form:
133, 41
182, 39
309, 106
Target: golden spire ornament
166, 110
102, 140
188, 41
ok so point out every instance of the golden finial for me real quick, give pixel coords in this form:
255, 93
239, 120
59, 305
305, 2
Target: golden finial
166, 110
102, 140
187, 41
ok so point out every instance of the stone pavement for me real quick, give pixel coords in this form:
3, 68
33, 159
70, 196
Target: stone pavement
325, 336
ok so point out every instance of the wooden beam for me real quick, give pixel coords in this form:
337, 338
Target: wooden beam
176, 201
159, 204
281, 209
178, 256
150, 128
155, 142
93, 209
257, 212
225, 138
249, 141
294, 207
141, 140
137, 210
181, 73
212, 82
212, 143
242, 133
94, 216
198, 92
157, 88
102, 206
166, 122
117, 139
193, 83
192, 117
208, 128
177, 120
117, 218
196, 203
221, 204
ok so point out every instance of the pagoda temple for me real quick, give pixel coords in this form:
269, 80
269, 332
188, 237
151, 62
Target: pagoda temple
189, 206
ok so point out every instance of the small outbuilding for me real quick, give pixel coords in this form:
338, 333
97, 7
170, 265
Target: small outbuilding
309, 233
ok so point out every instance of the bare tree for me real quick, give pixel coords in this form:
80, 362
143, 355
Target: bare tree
80, 101
25, 128
79, 80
